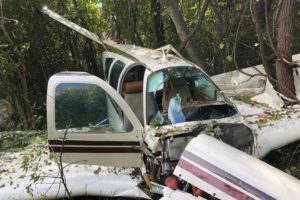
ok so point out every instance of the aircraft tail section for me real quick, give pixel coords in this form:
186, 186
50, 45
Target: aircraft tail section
228, 173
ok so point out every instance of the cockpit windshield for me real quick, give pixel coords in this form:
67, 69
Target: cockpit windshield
181, 94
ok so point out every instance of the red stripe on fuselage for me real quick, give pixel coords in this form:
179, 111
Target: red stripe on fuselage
66, 149
217, 183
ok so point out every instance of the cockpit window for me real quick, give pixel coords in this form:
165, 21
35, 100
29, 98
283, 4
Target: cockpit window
182, 94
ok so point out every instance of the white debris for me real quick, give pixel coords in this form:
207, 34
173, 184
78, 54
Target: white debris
177, 194
269, 97
255, 85
82, 180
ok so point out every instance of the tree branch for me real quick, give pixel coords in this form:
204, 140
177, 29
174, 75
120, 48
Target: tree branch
261, 42
2, 22
268, 31
259, 33
235, 41
198, 23
60, 165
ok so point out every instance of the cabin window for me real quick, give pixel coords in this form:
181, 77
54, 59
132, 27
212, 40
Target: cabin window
108, 62
200, 99
87, 108
132, 90
115, 73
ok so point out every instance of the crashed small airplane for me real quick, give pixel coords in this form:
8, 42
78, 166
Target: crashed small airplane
160, 113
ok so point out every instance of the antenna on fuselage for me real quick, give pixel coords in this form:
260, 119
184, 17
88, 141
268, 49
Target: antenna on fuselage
73, 26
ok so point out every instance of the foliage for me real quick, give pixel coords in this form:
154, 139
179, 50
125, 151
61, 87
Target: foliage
49, 47
12, 141
38, 47
286, 159
33, 161
30, 146
245, 99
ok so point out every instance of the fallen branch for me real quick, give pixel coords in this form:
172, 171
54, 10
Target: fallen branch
60, 165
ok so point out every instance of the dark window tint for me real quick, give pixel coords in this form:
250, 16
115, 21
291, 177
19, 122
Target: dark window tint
115, 73
108, 62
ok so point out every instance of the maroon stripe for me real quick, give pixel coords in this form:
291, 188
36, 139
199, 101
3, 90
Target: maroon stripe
228, 189
59, 149
106, 143
229, 177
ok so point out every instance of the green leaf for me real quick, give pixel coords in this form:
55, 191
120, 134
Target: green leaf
229, 58
22, 176
36, 178
221, 45
52, 156
194, 7
97, 171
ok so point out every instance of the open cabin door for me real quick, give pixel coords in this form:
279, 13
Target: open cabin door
89, 122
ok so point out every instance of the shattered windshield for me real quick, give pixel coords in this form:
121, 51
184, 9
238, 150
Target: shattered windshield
181, 94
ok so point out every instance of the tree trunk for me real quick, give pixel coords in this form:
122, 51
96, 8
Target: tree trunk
284, 72
270, 71
184, 32
30, 123
218, 61
158, 23
197, 25
134, 22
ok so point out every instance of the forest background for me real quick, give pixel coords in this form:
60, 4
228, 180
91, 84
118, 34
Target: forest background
223, 34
